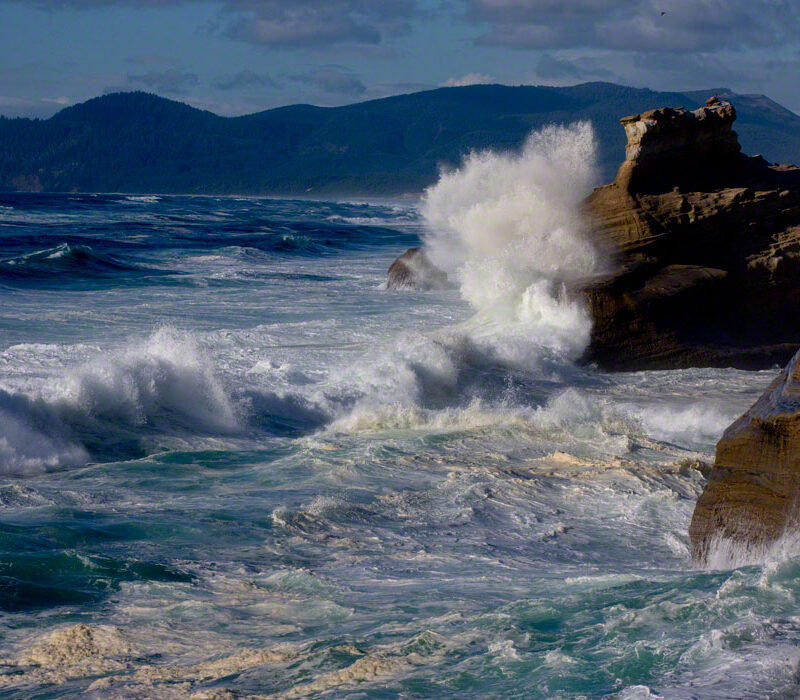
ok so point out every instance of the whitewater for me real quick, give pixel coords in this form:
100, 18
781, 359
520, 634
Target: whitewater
234, 465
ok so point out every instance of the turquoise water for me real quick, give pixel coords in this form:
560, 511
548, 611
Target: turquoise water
231, 465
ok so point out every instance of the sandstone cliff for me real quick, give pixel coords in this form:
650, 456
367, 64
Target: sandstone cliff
705, 249
751, 499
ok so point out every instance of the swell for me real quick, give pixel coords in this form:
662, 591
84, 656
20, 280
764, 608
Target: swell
110, 247
66, 264
165, 393
291, 239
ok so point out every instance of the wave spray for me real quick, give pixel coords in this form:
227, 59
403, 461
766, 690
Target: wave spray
508, 227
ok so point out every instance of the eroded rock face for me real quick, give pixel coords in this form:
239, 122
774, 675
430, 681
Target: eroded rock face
414, 270
667, 138
704, 244
752, 498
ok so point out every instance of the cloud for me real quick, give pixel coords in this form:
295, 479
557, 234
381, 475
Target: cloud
61, 101
747, 44
87, 4
316, 24
637, 25
624, 25
332, 79
15, 103
245, 79
18, 106
302, 27
552, 68
93, 4
288, 23
398, 88
169, 81
469, 79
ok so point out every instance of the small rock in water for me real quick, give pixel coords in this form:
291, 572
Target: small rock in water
414, 270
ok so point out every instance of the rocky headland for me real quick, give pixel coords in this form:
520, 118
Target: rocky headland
704, 244
702, 250
752, 497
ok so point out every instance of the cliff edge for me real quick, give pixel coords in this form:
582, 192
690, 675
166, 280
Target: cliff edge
705, 249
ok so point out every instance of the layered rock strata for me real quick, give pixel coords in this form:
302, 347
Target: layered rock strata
752, 498
703, 245
414, 270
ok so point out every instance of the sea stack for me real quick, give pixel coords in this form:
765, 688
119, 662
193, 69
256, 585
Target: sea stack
752, 497
704, 249
414, 270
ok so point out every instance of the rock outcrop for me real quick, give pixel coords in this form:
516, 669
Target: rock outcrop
704, 247
414, 270
752, 497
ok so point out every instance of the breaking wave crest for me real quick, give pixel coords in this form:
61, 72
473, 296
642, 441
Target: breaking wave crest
110, 407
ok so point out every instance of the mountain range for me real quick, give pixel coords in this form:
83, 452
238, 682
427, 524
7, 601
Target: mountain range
140, 143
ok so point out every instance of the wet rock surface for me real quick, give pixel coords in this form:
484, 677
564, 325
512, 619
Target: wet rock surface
752, 497
414, 270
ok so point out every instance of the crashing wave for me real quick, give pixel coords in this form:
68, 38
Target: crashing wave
107, 408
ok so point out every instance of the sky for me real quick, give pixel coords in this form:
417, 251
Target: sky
241, 56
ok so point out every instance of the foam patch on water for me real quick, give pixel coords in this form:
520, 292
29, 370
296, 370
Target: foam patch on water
143, 199
77, 651
84, 652
87, 651
71, 646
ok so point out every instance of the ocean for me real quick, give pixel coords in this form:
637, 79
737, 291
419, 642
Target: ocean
233, 465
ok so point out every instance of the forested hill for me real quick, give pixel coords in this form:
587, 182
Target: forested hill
137, 142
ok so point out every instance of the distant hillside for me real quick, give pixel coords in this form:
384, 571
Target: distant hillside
137, 142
